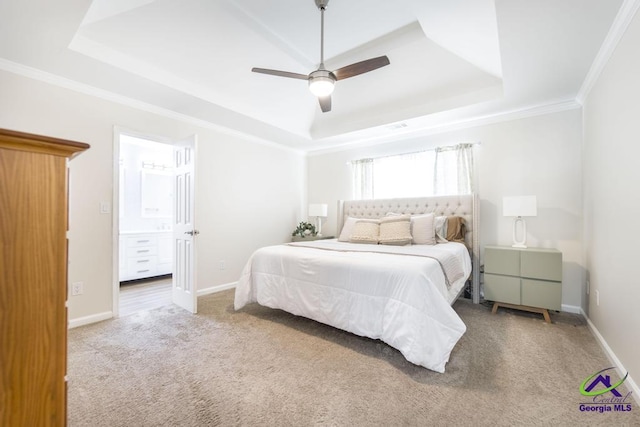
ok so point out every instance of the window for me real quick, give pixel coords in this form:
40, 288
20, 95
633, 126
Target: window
443, 171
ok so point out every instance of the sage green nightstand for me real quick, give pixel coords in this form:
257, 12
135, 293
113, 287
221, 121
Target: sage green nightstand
526, 279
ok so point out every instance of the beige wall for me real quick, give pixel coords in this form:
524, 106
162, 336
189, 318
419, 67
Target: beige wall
533, 156
248, 195
612, 199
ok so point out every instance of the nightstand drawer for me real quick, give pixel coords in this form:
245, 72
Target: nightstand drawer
544, 265
502, 288
501, 261
539, 293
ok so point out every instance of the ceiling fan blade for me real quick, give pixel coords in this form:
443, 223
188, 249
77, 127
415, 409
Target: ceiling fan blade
280, 73
325, 103
361, 67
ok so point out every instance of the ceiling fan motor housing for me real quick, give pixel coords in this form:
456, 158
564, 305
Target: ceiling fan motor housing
322, 74
322, 4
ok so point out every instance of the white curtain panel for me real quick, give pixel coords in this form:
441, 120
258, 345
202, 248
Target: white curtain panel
453, 170
362, 172
465, 168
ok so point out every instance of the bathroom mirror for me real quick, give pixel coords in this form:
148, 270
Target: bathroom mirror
157, 194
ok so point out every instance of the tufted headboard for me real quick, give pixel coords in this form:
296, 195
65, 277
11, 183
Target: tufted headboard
465, 206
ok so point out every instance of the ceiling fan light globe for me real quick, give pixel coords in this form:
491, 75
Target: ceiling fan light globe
321, 86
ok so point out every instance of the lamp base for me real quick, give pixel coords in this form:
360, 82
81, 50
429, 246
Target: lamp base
519, 243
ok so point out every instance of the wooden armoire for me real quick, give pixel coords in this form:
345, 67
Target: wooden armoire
33, 278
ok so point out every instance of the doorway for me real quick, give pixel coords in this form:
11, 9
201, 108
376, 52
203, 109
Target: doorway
145, 195
160, 239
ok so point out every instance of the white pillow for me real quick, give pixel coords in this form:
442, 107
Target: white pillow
422, 229
347, 228
440, 226
395, 230
365, 231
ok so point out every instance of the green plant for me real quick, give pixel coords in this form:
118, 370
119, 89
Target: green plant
304, 229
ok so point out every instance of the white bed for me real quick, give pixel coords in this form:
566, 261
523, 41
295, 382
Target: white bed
401, 295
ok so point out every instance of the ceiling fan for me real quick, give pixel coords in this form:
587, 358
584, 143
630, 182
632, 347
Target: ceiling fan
322, 81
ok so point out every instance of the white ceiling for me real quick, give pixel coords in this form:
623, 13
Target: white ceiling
451, 60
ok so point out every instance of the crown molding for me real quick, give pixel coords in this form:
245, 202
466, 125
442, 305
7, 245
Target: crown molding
504, 116
616, 32
63, 82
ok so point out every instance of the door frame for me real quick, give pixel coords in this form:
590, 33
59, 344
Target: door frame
115, 205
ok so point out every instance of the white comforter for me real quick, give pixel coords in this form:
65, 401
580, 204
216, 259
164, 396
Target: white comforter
401, 298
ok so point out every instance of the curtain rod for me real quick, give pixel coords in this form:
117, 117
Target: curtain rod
417, 152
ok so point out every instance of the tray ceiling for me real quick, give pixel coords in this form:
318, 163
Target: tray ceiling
450, 60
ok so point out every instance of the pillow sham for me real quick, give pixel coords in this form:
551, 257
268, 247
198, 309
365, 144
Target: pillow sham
347, 228
456, 229
422, 229
450, 229
440, 228
365, 231
395, 230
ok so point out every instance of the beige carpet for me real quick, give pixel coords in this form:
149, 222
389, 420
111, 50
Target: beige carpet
259, 366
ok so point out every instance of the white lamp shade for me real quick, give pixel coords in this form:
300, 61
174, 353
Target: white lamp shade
519, 206
318, 210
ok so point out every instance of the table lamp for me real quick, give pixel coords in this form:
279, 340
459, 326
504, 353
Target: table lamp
318, 211
518, 207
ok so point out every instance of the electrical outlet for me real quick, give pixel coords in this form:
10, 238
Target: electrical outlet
223, 265
597, 297
77, 288
105, 207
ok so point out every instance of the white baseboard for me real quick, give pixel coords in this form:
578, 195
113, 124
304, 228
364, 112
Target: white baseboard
87, 320
629, 382
217, 288
572, 309
94, 318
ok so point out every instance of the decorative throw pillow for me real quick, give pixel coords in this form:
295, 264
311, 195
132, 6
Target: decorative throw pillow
422, 229
440, 228
456, 229
395, 230
365, 231
347, 228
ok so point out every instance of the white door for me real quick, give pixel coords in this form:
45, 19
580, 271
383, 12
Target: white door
184, 292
